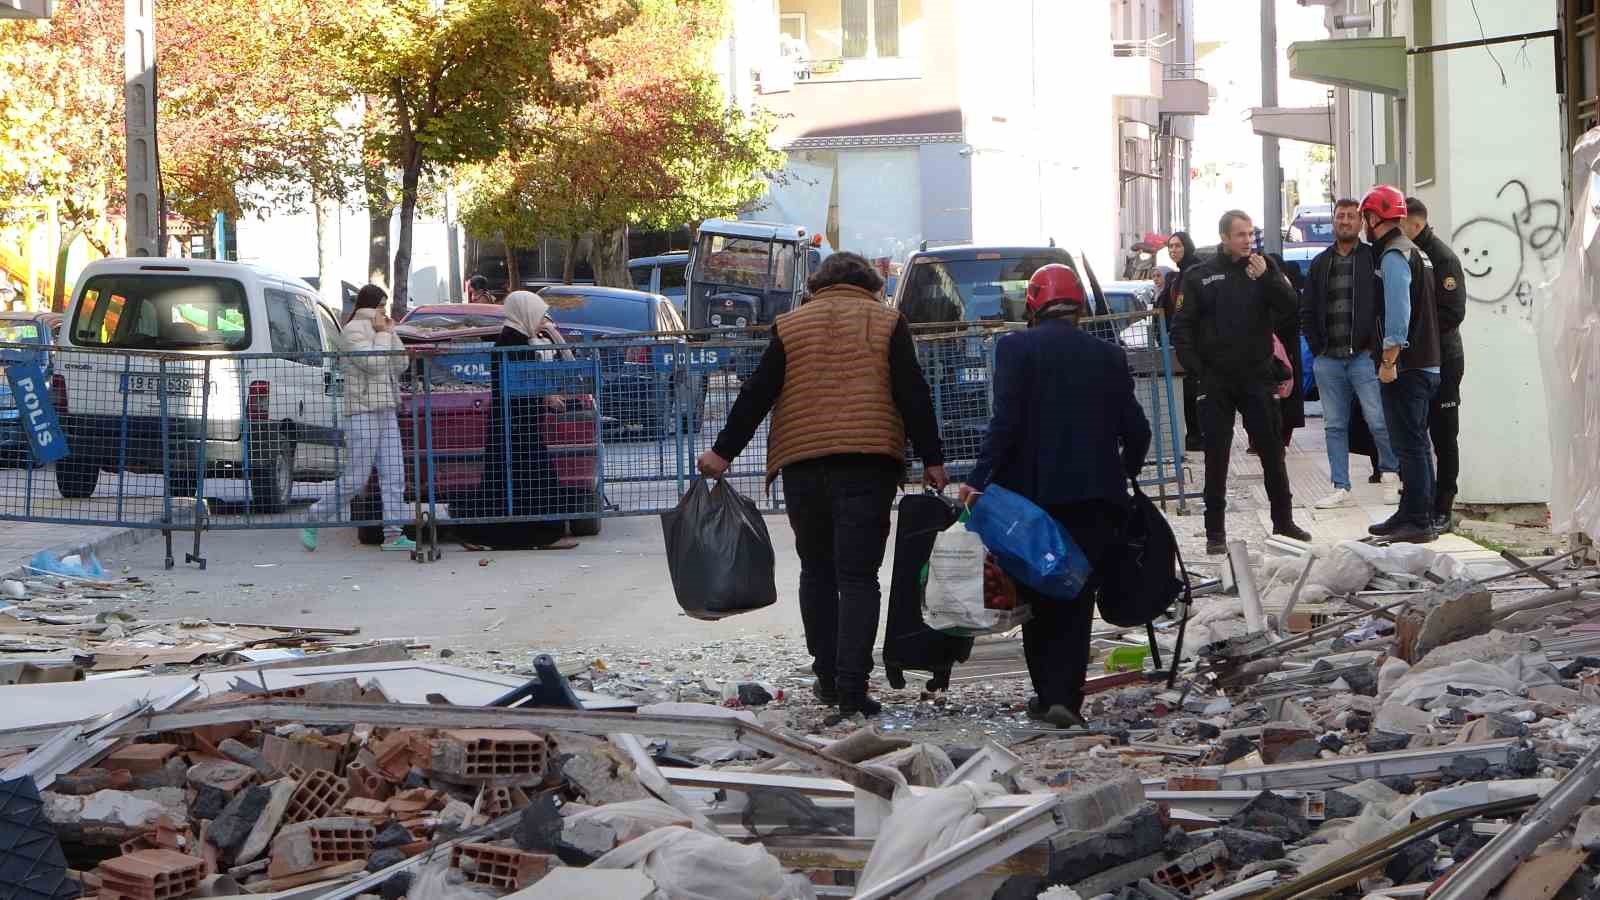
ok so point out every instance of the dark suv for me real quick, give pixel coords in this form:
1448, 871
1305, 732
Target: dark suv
948, 294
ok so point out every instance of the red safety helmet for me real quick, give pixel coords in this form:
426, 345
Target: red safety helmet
1052, 284
1385, 202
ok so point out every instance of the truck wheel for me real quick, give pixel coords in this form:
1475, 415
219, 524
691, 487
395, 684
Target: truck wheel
76, 480
272, 475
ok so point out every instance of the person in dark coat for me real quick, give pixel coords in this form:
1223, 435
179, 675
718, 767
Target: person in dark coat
1068, 433
1291, 409
1444, 414
514, 452
1181, 248
1231, 306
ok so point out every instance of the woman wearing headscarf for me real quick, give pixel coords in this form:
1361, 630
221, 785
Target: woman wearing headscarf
1181, 248
514, 453
372, 430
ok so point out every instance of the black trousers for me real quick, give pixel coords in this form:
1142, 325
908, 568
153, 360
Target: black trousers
1444, 429
1194, 428
839, 509
1252, 401
1056, 640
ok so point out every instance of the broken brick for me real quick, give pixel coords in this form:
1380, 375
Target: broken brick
89, 781
367, 783
504, 868
400, 750
319, 843
366, 808
227, 777
140, 759
320, 794
1195, 871
490, 753
151, 875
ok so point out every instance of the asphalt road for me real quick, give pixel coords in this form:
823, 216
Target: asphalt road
614, 587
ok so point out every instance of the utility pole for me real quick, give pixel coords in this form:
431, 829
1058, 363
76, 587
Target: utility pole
144, 188
1271, 175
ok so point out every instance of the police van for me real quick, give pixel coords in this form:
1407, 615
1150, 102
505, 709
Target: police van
183, 366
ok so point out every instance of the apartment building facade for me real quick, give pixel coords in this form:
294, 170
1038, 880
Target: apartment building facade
954, 121
1480, 132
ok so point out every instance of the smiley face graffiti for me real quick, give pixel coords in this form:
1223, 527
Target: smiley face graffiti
1503, 254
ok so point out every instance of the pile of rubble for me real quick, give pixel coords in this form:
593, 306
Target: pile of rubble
1360, 721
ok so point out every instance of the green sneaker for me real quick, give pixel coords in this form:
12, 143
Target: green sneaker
308, 539
399, 544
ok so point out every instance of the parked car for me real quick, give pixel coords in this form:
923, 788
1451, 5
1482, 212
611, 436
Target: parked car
452, 376
1312, 226
630, 389
666, 275
274, 416
949, 290
28, 330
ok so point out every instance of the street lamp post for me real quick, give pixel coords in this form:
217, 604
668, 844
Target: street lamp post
143, 157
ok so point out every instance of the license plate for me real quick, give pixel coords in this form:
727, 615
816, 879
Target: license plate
972, 376
151, 384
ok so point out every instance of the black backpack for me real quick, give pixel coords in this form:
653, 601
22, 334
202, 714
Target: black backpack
1143, 575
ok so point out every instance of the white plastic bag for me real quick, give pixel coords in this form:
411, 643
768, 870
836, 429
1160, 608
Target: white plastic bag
953, 601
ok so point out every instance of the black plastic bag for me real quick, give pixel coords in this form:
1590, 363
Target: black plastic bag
719, 552
908, 642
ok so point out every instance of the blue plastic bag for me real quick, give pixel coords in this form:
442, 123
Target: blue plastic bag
1030, 546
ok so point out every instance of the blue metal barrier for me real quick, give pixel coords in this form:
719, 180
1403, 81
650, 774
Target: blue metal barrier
464, 434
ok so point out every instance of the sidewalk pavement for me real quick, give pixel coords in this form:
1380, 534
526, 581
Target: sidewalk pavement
1310, 481
20, 541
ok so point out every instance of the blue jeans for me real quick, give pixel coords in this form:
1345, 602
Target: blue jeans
1340, 382
1405, 407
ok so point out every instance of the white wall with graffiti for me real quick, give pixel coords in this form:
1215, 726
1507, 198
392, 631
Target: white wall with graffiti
1498, 199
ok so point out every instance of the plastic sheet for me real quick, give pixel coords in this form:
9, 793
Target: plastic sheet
72, 565
1566, 318
692, 865
925, 826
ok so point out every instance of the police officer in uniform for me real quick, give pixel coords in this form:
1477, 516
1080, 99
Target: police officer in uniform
1444, 416
1408, 363
1229, 308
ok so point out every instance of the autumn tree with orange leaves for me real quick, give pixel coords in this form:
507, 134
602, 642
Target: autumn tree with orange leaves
655, 146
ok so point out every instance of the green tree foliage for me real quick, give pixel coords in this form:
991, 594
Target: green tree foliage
655, 146
445, 78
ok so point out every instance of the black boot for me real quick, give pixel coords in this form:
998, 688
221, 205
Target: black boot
857, 701
1216, 544
1386, 527
1291, 530
825, 689
1443, 513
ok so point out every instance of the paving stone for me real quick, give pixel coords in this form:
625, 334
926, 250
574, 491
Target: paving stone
1273, 815
1411, 863
1384, 742
383, 859
236, 822
1342, 806
1076, 856
393, 835
1249, 846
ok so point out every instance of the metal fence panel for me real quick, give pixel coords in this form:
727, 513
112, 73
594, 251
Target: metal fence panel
468, 435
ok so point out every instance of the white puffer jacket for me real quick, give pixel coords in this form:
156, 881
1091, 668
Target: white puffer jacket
370, 381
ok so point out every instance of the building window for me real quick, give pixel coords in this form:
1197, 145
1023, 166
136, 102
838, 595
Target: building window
1582, 36
871, 28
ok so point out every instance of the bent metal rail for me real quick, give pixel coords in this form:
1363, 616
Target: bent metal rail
495, 443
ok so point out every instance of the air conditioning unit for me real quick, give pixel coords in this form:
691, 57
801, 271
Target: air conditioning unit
1135, 131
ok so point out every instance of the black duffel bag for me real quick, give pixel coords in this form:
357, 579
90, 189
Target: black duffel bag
1142, 575
908, 643
719, 552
